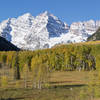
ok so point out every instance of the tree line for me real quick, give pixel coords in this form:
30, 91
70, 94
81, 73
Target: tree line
42, 62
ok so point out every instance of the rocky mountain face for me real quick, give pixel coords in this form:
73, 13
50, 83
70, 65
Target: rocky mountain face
45, 31
7, 46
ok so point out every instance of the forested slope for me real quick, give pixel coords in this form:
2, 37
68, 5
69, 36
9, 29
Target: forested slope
95, 36
64, 57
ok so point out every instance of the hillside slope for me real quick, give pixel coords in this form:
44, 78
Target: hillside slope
95, 36
7, 46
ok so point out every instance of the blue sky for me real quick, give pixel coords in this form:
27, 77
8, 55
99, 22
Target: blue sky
67, 10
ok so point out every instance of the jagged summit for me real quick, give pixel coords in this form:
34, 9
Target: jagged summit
45, 31
46, 13
26, 16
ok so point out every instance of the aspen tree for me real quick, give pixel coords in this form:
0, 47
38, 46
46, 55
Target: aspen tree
15, 66
34, 67
25, 74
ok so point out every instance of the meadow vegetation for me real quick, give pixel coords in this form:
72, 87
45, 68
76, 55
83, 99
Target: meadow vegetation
65, 72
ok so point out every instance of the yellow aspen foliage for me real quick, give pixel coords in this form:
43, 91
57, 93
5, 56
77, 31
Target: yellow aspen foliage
4, 81
18, 84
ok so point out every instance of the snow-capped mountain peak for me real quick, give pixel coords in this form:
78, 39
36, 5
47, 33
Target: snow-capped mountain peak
47, 14
26, 15
44, 31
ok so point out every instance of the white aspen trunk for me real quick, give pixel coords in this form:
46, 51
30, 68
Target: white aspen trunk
38, 85
83, 65
34, 84
25, 82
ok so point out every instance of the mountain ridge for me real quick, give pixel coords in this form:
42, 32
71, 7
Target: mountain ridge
44, 31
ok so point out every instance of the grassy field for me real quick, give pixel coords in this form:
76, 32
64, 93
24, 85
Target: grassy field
64, 86
69, 78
